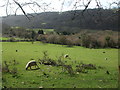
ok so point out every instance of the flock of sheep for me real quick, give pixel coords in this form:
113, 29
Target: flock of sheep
34, 63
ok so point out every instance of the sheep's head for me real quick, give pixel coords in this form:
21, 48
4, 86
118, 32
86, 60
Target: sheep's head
26, 68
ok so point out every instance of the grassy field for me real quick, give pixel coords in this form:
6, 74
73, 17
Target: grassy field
55, 77
4, 38
8, 38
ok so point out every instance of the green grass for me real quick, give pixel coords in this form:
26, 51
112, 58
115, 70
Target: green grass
37, 29
8, 38
45, 30
4, 38
56, 77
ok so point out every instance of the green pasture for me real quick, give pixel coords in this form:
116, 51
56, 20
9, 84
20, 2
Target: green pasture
45, 30
4, 38
55, 77
8, 38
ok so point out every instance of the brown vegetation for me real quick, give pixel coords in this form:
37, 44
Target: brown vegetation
99, 39
85, 38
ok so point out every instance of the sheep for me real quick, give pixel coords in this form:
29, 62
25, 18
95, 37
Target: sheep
107, 72
16, 50
31, 63
66, 56
106, 58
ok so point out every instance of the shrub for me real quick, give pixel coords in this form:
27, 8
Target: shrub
5, 68
97, 39
62, 40
68, 68
14, 71
65, 33
15, 62
85, 40
82, 67
40, 32
60, 62
46, 60
45, 55
88, 66
52, 39
42, 38
12, 39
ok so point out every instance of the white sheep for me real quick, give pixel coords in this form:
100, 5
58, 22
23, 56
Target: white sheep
31, 63
66, 56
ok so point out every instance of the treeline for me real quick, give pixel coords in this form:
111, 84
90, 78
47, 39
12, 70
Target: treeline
85, 38
70, 21
16, 32
99, 39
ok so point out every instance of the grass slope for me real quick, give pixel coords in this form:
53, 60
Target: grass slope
56, 78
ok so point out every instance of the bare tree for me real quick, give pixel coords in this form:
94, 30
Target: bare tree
42, 6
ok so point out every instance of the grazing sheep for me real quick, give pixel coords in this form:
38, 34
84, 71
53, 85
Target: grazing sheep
119, 68
31, 63
103, 52
107, 72
66, 56
105, 58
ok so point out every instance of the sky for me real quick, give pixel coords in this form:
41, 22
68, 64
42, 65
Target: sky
48, 5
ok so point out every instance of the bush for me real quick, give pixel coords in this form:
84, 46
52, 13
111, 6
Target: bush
5, 68
52, 39
97, 39
40, 32
85, 40
62, 40
68, 68
46, 60
60, 62
12, 39
82, 67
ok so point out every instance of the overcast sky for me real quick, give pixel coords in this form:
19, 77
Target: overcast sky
49, 5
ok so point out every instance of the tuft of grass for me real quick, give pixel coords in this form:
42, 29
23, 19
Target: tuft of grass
5, 68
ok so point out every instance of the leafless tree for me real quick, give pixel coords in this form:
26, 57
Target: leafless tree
42, 6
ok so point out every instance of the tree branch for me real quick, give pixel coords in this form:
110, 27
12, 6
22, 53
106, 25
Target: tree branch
21, 9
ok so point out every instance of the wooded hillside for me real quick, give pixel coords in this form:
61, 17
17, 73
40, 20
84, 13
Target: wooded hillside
97, 19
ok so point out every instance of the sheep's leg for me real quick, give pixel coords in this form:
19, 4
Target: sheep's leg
37, 66
30, 67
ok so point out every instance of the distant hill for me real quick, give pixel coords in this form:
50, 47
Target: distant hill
68, 21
